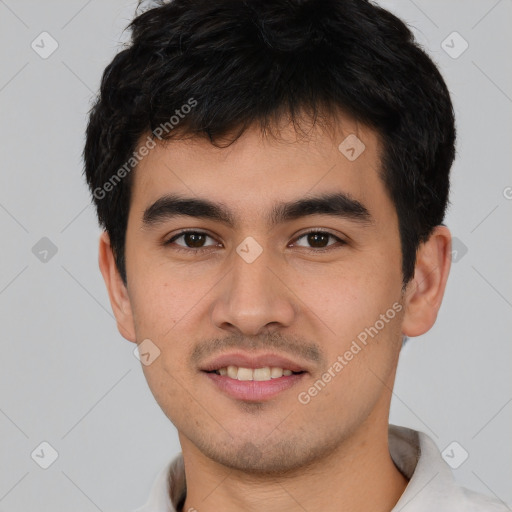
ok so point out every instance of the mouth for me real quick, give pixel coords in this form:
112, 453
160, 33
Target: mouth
253, 378
265, 373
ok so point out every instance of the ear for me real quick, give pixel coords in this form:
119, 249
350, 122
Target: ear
424, 293
117, 291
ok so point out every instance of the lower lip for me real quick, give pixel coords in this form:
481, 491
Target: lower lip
255, 390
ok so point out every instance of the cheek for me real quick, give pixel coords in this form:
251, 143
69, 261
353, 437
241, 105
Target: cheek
348, 300
163, 315
168, 387
161, 305
358, 318
359, 373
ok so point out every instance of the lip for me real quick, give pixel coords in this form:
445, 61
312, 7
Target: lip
253, 390
252, 361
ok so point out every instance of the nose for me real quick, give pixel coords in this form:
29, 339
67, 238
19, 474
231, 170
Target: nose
254, 298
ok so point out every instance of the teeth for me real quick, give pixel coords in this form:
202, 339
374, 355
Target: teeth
245, 374
232, 372
260, 374
276, 372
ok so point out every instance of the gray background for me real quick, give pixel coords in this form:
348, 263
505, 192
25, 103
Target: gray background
67, 376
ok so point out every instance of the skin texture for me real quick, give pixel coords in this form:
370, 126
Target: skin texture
278, 454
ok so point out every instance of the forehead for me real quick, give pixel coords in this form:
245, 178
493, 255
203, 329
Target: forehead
257, 169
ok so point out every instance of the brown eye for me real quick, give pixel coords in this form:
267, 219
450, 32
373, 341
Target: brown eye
192, 240
319, 240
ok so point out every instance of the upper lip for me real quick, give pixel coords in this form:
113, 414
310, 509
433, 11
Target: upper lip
246, 360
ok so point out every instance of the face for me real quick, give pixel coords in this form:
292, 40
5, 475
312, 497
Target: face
319, 285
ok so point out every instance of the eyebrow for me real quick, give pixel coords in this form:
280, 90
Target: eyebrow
336, 204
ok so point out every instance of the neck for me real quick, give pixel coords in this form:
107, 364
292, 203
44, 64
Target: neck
357, 476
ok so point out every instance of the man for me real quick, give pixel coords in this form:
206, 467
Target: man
272, 178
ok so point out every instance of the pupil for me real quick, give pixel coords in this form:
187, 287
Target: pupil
314, 238
194, 239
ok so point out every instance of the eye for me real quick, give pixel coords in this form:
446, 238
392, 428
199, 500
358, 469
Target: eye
194, 241
319, 240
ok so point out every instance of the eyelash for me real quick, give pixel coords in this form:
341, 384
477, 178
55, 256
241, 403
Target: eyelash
205, 249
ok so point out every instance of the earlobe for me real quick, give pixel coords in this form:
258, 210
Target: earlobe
424, 293
117, 291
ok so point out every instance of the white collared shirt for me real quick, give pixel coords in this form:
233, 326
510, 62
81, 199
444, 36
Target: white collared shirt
431, 487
